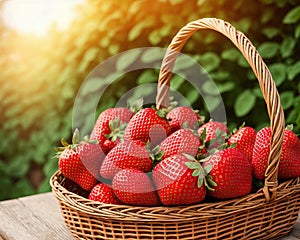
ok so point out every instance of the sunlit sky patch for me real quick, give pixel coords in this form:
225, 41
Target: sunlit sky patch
36, 16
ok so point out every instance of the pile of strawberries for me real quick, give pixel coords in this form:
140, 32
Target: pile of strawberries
153, 157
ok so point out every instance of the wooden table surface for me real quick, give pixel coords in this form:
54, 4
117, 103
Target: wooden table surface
38, 217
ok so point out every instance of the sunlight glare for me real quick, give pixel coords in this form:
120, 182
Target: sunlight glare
27, 16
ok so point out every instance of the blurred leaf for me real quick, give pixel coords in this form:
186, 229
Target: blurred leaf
165, 30
226, 87
137, 29
176, 82
268, 49
174, 2
251, 75
210, 88
184, 63
212, 102
243, 24
18, 167
257, 92
231, 54
148, 76
287, 99
192, 96
220, 75
200, 2
244, 103
210, 61
50, 166
270, 32
267, 15
6, 188
278, 71
154, 37
292, 16
22, 188
126, 59
292, 117
243, 62
287, 46
152, 54
44, 186
113, 49
294, 70
281, 3
297, 31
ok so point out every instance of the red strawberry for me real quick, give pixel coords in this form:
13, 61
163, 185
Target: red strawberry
109, 127
129, 154
181, 141
81, 162
134, 187
177, 182
232, 173
289, 165
146, 125
214, 134
183, 115
103, 193
244, 139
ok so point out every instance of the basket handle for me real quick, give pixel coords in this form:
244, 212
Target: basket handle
266, 83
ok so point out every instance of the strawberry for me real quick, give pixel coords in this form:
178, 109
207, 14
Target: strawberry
181, 141
103, 193
232, 173
178, 181
134, 187
214, 134
129, 154
147, 125
244, 140
289, 165
80, 161
179, 116
109, 127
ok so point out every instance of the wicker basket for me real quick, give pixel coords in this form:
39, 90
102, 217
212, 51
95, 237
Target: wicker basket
267, 214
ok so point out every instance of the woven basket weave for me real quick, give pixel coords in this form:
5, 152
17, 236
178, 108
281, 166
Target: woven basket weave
269, 213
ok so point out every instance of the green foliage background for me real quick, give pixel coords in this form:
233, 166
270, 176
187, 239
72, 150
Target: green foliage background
40, 77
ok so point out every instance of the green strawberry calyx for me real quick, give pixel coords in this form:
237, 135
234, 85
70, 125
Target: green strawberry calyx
201, 172
136, 105
155, 154
289, 127
117, 129
75, 142
238, 128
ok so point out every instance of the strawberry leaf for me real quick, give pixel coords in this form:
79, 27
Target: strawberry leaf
136, 105
207, 169
200, 181
64, 142
189, 157
196, 172
232, 145
203, 135
185, 125
159, 155
209, 183
192, 165
76, 138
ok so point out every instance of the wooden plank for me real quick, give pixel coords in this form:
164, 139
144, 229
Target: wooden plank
34, 218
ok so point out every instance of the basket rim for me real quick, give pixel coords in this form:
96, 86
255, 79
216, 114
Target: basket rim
249, 202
